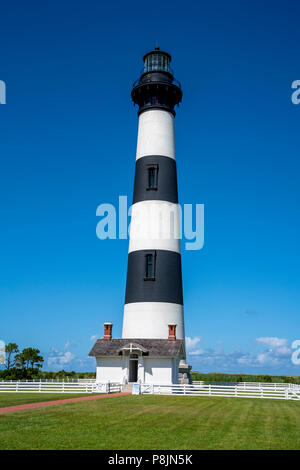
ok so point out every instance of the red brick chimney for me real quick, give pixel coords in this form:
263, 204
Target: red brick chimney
107, 331
172, 332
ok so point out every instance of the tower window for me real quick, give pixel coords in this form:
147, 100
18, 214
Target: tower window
152, 177
153, 100
150, 266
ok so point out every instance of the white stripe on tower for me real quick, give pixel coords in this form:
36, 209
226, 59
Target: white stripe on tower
156, 134
154, 285
155, 225
150, 319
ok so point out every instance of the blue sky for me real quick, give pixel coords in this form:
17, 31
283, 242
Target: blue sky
67, 144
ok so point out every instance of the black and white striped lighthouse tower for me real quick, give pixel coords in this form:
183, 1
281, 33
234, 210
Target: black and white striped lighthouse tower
154, 281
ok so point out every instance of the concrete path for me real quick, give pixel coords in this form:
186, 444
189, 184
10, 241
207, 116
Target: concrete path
30, 406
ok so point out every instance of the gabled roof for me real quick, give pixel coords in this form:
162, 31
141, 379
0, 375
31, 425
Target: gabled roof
149, 347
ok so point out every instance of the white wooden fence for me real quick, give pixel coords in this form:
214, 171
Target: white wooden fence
278, 385
59, 387
254, 390
277, 391
52, 380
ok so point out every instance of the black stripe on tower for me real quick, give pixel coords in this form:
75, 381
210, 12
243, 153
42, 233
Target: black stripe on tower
155, 179
154, 276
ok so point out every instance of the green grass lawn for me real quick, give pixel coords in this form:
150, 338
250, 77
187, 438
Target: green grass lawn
12, 399
156, 422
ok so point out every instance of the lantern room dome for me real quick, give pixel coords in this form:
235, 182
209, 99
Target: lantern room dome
157, 60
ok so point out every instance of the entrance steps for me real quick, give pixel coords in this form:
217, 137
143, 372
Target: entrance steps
128, 387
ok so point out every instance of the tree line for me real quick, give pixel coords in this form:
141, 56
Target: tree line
28, 358
219, 377
27, 364
21, 364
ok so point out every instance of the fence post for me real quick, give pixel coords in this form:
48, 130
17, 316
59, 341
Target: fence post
184, 390
261, 392
40, 386
63, 387
209, 390
17, 386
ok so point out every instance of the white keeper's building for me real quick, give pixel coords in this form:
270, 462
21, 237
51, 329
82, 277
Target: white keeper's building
144, 360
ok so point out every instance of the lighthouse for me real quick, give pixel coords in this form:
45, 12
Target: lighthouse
154, 281
152, 347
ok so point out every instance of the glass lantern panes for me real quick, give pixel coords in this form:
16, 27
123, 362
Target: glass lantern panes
157, 61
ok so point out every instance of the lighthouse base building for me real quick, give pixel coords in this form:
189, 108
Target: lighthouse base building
143, 360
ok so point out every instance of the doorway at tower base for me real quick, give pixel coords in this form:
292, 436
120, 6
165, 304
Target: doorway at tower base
184, 373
